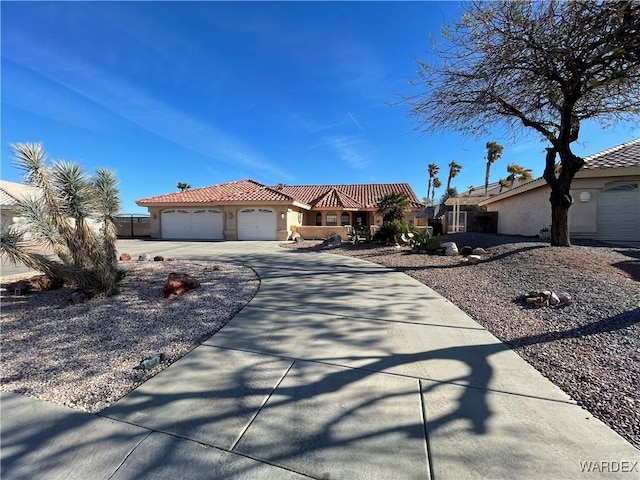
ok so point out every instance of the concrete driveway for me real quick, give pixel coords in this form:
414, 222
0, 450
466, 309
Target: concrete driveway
338, 368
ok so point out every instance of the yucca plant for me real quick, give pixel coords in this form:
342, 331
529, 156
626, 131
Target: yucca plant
73, 215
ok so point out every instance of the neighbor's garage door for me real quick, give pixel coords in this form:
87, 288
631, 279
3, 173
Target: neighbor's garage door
257, 224
192, 224
619, 213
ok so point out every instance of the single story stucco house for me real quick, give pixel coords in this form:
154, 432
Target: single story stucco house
248, 210
606, 193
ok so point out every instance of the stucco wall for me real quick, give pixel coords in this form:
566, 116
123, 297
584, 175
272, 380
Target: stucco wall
527, 213
523, 214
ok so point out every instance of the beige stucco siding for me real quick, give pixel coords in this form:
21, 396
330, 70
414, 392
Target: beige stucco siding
524, 214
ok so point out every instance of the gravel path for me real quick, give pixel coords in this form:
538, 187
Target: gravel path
83, 355
590, 349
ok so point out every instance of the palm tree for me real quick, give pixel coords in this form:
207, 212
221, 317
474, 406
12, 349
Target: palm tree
183, 186
494, 152
516, 172
392, 206
62, 217
449, 193
436, 184
433, 170
454, 170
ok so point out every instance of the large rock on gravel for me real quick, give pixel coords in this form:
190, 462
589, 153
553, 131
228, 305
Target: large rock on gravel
450, 249
178, 284
332, 241
479, 251
466, 250
39, 283
125, 257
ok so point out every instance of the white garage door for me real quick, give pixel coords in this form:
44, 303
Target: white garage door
257, 224
619, 213
192, 224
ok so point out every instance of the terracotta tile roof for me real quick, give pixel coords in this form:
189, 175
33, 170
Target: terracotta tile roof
316, 196
624, 155
335, 198
354, 195
215, 193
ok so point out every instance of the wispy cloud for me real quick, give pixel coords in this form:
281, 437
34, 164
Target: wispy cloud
135, 105
355, 121
349, 149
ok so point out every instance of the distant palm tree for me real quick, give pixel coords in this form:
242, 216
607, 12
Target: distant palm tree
436, 184
451, 192
471, 189
494, 152
392, 206
280, 186
454, 170
183, 186
433, 170
516, 172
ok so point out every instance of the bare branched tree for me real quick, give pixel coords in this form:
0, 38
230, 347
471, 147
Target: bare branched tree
536, 66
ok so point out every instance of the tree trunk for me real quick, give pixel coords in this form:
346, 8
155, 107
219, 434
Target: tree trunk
560, 197
486, 179
560, 204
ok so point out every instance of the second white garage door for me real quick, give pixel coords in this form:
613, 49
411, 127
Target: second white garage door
619, 213
257, 224
192, 224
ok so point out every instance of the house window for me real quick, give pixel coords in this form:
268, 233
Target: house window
332, 219
318, 219
345, 219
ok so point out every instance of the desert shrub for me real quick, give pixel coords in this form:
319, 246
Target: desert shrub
74, 216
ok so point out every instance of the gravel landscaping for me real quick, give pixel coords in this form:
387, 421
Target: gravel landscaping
83, 355
590, 349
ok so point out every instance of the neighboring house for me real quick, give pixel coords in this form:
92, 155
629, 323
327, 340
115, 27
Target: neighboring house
475, 195
10, 194
248, 210
606, 194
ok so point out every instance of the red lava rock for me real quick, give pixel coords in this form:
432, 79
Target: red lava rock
40, 283
125, 257
178, 284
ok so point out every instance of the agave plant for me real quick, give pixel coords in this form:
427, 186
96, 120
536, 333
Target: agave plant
74, 216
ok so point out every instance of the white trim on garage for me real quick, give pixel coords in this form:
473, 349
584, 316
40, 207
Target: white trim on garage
192, 224
257, 224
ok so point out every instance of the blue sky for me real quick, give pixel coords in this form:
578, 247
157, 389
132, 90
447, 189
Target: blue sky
209, 92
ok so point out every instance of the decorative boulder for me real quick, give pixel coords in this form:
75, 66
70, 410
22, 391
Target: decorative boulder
178, 284
479, 251
332, 241
158, 258
474, 259
125, 257
565, 298
450, 249
39, 283
466, 250
145, 257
